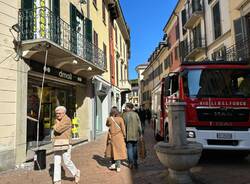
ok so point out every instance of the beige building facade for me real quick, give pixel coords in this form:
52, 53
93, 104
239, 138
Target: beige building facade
60, 48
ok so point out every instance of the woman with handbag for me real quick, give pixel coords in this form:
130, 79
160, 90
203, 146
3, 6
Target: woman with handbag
116, 147
62, 147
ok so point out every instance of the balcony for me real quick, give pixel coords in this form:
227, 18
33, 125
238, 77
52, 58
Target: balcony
240, 51
41, 29
125, 86
194, 48
194, 13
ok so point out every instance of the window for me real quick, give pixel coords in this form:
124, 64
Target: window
105, 52
96, 45
95, 39
166, 62
219, 54
121, 72
177, 31
103, 12
217, 20
184, 20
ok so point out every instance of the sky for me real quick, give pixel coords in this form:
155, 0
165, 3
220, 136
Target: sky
146, 20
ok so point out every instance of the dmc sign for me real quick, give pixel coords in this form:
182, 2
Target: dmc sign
65, 75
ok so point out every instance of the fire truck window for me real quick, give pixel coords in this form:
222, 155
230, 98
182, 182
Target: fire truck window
244, 86
193, 82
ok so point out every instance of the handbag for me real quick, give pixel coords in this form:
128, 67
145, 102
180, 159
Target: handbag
108, 151
61, 144
141, 148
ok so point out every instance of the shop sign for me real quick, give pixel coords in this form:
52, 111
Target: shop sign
38, 67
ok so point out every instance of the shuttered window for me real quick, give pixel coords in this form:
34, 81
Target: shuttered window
217, 20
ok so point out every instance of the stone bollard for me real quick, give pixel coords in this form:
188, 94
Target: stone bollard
178, 155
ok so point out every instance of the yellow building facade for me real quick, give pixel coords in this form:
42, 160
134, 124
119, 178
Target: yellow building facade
63, 49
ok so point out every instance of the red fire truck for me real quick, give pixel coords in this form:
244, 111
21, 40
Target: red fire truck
218, 103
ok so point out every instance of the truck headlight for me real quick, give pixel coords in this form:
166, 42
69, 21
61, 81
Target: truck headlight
190, 134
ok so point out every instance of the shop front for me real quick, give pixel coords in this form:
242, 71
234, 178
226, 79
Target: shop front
59, 89
102, 104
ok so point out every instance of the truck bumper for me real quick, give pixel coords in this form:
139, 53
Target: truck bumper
221, 140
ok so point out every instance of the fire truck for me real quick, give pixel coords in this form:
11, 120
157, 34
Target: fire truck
217, 96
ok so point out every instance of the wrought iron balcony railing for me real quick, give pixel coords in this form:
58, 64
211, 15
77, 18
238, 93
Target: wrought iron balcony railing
194, 12
194, 7
240, 51
191, 48
41, 23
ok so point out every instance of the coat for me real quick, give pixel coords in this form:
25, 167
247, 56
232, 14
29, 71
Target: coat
62, 129
116, 135
133, 126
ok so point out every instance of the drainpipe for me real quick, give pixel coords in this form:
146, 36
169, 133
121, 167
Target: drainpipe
205, 30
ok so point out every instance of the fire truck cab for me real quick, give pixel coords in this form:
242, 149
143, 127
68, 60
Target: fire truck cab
217, 97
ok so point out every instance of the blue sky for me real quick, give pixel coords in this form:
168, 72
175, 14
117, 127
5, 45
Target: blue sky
146, 20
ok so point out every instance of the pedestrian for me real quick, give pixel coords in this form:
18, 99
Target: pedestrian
134, 132
116, 136
62, 146
142, 116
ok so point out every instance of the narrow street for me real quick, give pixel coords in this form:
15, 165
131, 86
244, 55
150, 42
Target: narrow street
89, 158
212, 168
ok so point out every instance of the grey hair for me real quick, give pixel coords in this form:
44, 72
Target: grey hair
61, 108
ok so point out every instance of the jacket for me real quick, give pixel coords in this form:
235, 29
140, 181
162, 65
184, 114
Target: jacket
133, 126
62, 128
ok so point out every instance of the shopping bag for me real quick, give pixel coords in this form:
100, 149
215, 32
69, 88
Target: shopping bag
141, 148
108, 151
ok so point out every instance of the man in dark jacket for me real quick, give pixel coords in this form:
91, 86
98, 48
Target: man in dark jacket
142, 116
134, 132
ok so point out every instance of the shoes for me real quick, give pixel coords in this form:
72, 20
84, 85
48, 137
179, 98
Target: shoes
131, 166
77, 176
118, 169
112, 167
57, 182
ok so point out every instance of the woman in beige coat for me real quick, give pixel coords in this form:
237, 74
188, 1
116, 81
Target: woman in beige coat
116, 136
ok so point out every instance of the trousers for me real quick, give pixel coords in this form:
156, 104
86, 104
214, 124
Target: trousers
67, 161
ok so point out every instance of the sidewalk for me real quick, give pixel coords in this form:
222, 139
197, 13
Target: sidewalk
89, 158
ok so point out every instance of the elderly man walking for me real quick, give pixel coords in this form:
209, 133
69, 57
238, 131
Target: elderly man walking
62, 147
134, 132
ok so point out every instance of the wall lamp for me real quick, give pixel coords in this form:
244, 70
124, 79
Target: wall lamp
16, 28
16, 42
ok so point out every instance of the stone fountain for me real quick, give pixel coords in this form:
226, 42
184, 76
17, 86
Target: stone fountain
178, 155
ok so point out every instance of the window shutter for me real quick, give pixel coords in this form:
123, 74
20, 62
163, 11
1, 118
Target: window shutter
73, 40
238, 29
239, 37
56, 21
27, 4
88, 36
88, 29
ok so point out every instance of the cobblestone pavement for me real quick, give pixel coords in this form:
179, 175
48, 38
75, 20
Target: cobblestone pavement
89, 158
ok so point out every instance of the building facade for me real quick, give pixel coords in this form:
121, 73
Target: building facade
198, 30
133, 95
140, 69
54, 53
